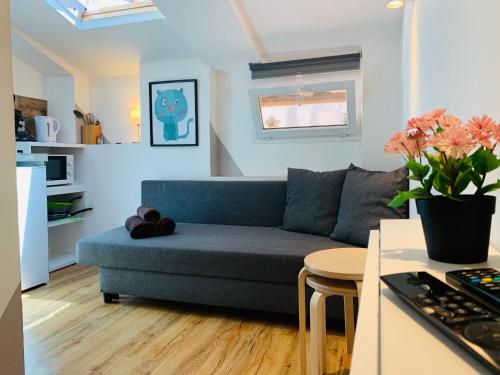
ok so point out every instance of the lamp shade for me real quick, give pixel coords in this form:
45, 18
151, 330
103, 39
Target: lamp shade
394, 4
135, 116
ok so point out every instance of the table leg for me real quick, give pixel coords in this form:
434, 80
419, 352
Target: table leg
302, 319
359, 287
322, 331
349, 323
318, 349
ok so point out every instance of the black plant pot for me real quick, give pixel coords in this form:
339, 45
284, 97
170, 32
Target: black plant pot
457, 231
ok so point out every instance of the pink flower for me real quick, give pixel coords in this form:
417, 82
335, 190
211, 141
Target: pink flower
455, 142
395, 144
420, 138
483, 129
419, 123
426, 122
496, 133
435, 114
409, 145
448, 121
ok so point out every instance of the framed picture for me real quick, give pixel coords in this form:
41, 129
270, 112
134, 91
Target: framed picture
173, 113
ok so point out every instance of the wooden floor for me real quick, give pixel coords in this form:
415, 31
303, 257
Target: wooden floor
69, 330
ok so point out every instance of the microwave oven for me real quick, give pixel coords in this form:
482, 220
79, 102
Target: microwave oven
60, 170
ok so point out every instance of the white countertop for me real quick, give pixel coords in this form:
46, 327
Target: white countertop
405, 342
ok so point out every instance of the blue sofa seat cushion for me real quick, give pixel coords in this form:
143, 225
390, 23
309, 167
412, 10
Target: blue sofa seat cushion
227, 251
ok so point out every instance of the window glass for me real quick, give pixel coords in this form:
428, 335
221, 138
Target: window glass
91, 14
97, 5
307, 109
304, 109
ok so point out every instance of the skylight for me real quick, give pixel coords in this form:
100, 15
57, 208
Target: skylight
98, 5
90, 14
87, 7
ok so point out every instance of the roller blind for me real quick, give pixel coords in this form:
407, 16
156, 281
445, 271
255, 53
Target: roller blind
326, 64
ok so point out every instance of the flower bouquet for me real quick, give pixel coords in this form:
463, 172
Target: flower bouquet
445, 156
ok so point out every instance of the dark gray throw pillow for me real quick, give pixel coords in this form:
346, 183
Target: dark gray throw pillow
364, 203
312, 200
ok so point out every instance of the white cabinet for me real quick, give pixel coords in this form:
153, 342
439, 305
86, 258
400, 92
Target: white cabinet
60, 235
32, 221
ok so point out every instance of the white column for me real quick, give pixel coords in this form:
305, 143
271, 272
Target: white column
11, 336
451, 55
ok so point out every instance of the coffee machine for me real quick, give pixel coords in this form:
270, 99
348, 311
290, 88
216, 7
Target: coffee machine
22, 134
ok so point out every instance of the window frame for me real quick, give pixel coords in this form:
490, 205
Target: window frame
351, 129
110, 16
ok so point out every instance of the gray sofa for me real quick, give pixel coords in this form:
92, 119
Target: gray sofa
228, 248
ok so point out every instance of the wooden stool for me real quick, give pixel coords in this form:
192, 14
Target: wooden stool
328, 272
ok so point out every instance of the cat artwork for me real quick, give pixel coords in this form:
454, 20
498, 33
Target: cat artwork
171, 107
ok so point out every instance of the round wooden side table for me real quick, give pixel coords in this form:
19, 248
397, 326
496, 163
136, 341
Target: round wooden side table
329, 272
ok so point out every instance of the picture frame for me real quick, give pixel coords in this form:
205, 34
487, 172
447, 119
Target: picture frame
173, 113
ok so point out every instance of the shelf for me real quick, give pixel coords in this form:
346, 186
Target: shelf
66, 189
54, 144
68, 220
61, 262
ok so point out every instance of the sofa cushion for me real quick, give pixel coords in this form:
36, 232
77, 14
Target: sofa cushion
239, 252
252, 203
312, 200
364, 203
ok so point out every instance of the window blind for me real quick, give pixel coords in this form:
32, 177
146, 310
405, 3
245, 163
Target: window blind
325, 64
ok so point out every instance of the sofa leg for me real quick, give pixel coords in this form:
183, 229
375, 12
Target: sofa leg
109, 297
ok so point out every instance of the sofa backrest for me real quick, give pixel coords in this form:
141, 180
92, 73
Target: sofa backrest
249, 203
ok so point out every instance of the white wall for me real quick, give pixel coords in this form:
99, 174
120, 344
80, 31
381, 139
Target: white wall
381, 116
256, 157
11, 336
111, 100
60, 94
452, 48
381, 98
27, 80
51, 60
115, 172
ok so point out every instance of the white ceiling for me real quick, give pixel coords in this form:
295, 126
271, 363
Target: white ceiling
108, 51
209, 29
300, 25
32, 56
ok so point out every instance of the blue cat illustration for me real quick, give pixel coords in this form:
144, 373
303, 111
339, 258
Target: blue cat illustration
171, 107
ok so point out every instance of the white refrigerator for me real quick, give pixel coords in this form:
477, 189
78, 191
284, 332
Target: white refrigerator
32, 221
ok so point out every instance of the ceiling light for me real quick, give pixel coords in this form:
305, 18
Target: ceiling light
394, 4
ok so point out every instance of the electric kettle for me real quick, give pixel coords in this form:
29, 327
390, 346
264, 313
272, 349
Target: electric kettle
46, 128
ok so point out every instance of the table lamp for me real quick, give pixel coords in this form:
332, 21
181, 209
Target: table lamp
135, 118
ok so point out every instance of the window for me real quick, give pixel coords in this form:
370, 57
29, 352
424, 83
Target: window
90, 14
325, 109
304, 109
86, 8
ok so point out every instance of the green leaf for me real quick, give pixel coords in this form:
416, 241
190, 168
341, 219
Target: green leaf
425, 170
404, 196
398, 200
475, 178
442, 183
462, 181
433, 161
490, 187
419, 170
428, 182
414, 178
412, 165
484, 161
419, 193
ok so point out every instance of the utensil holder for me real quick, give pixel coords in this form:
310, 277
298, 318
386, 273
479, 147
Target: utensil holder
90, 134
